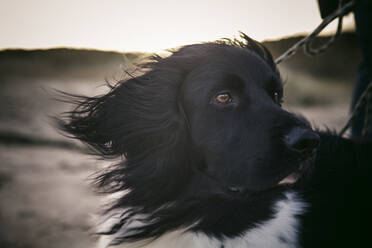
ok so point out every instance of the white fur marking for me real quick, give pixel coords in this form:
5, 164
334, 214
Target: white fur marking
278, 232
283, 227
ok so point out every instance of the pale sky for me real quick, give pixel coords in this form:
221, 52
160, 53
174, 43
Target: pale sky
149, 25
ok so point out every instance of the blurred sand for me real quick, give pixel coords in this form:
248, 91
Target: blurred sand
46, 199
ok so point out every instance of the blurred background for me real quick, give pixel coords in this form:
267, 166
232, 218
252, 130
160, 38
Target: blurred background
75, 46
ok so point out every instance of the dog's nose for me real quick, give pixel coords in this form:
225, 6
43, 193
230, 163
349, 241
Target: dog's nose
302, 140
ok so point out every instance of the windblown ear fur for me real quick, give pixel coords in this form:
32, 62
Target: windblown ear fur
139, 119
136, 115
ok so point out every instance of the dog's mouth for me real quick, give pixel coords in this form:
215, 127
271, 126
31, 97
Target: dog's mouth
291, 178
289, 181
296, 175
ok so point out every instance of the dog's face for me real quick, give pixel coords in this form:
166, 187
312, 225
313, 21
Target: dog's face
203, 127
233, 106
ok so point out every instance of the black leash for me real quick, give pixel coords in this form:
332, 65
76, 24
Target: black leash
341, 11
366, 97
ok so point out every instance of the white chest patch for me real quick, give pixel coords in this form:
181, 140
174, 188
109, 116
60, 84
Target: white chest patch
279, 232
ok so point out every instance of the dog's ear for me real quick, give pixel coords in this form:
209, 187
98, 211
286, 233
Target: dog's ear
247, 42
134, 116
140, 119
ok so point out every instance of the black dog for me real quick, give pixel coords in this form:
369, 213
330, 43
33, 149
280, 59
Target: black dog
212, 160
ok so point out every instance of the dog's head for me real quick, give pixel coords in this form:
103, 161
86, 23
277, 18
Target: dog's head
204, 125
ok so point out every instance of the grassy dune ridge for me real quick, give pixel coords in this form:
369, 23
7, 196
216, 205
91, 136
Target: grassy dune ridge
62, 63
339, 63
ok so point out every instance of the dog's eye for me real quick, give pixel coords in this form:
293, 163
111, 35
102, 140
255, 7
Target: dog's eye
223, 98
